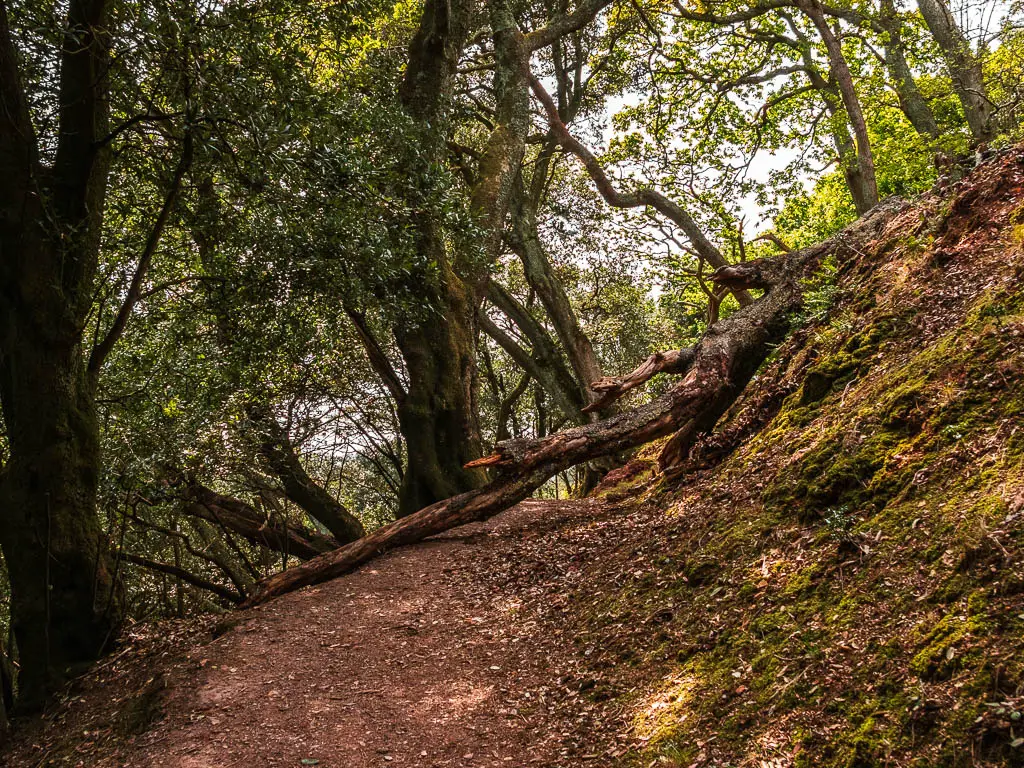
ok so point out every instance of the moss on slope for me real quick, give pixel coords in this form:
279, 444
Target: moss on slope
847, 588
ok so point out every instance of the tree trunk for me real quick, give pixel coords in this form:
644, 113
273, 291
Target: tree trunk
437, 415
437, 412
525, 241
964, 67
261, 530
865, 189
846, 152
66, 606
723, 362
300, 488
912, 102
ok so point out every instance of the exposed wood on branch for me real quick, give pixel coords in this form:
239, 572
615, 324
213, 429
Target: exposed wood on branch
613, 387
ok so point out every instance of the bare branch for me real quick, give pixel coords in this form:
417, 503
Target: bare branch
101, 350
640, 198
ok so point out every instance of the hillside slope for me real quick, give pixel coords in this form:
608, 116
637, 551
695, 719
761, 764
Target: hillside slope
847, 587
836, 580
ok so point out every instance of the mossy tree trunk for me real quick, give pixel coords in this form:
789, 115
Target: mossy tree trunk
66, 606
437, 412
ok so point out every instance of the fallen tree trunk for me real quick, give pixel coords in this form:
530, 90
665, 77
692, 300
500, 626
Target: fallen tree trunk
723, 362
246, 521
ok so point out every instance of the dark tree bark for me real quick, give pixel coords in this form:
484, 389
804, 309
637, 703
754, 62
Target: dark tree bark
66, 604
438, 413
723, 362
238, 517
279, 452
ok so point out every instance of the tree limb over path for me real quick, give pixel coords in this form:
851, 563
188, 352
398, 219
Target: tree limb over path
723, 362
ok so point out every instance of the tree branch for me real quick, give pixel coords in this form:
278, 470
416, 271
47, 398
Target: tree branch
639, 198
543, 374
243, 519
378, 359
563, 25
614, 387
101, 350
187, 576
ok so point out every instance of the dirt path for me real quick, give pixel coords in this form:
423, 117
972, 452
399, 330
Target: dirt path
412, 660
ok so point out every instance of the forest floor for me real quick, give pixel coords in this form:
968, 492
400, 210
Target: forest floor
429, 656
